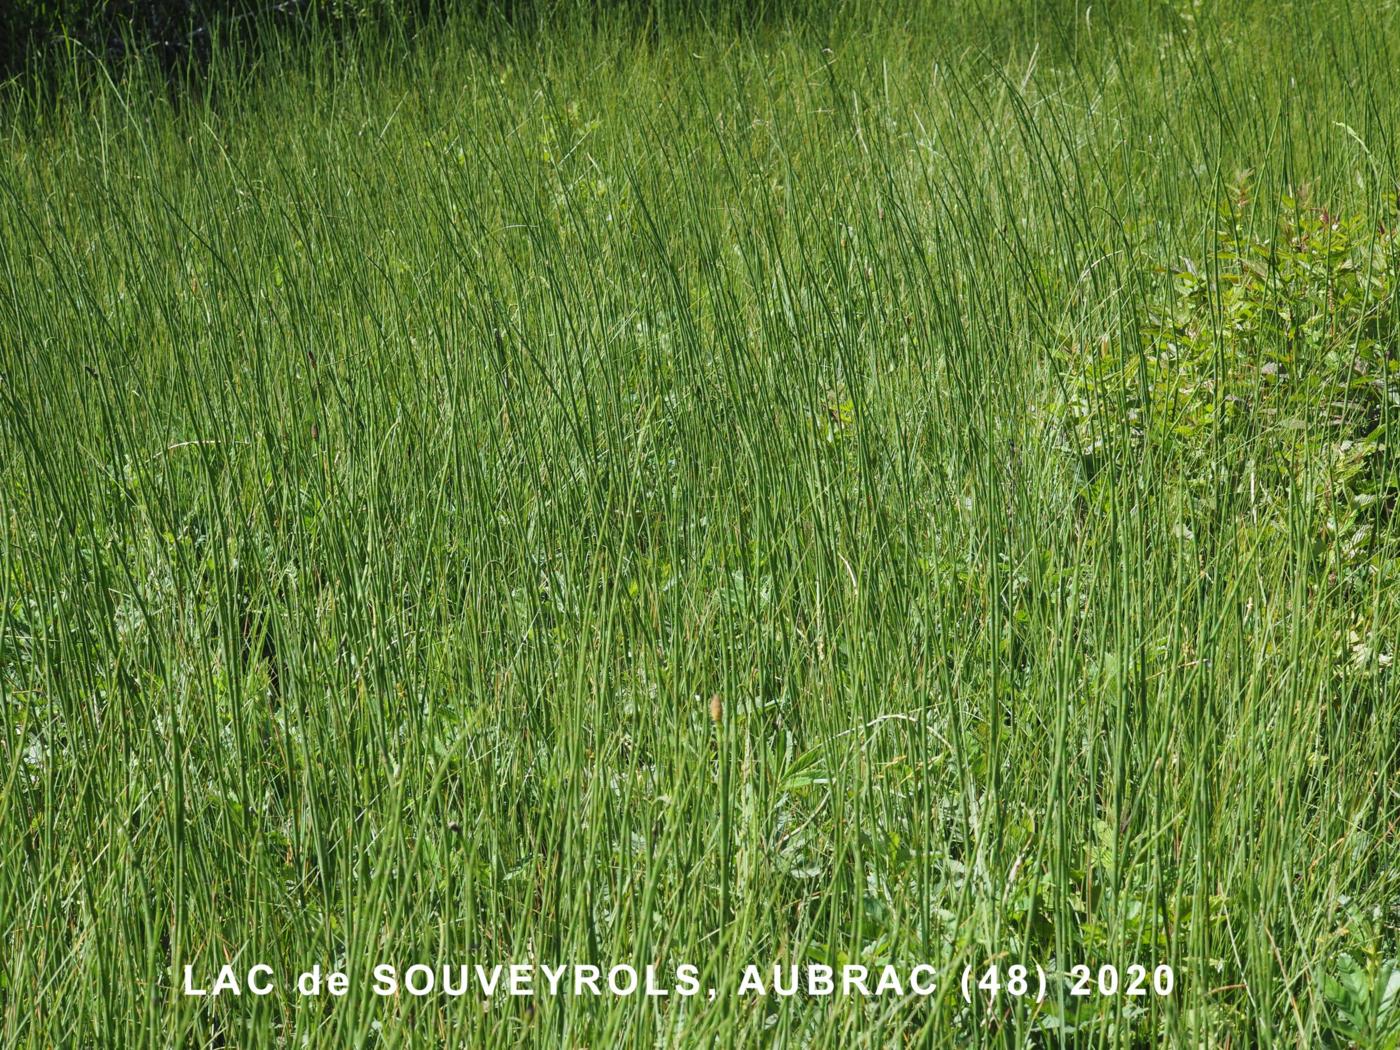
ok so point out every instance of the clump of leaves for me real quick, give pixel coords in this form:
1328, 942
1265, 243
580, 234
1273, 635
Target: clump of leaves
1275, 360
1363, 997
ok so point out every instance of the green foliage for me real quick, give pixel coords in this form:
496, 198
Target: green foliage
587, 494
1276, 358
1365, 1001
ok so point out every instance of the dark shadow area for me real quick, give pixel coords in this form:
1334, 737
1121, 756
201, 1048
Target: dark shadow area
180, 36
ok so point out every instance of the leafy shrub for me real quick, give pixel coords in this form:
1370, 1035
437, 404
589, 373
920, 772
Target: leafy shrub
1273, 363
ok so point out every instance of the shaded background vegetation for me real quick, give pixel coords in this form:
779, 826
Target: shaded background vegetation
182, 34
174, 30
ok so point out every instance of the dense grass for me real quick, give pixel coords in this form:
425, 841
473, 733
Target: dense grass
635, 493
